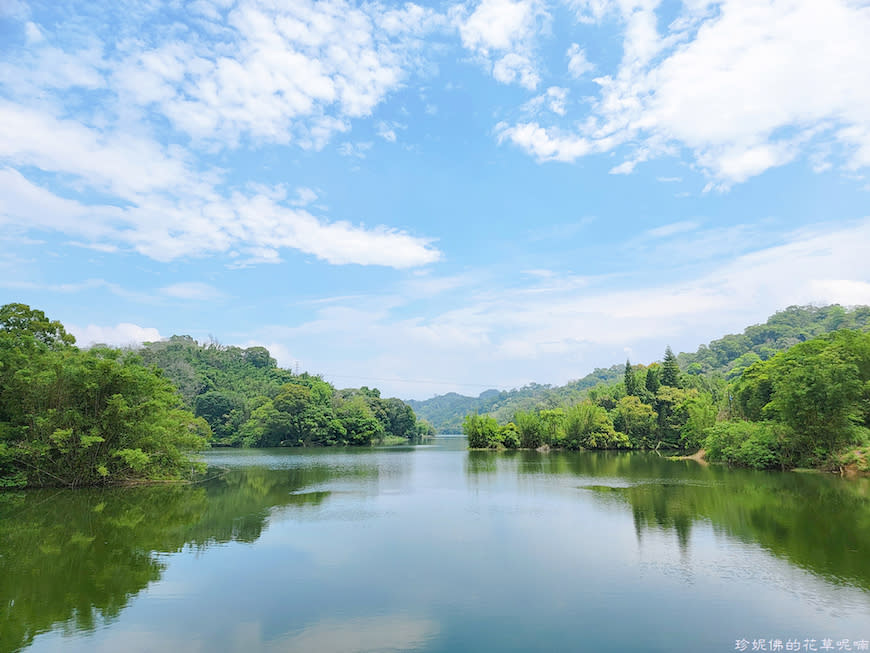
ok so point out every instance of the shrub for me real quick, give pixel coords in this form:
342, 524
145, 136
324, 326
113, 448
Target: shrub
758, 445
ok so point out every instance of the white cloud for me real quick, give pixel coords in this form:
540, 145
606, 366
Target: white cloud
555, 99
744, 88
387, 130
839, 291
304, 196
293, 72
173, 211
546, 144
578, 64
590, 11
503, 35
120, 335
551, 327
357, 150
673, 228
193, 290
518, 68
33, 33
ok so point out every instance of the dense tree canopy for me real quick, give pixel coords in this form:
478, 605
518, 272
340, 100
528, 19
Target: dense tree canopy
71, 417
249, 401
808, 405
727, 357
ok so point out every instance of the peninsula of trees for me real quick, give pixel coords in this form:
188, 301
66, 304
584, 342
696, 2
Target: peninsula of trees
780, 403
75, 417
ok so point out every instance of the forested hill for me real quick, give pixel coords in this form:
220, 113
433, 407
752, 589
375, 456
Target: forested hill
446, 412
248, 400
728, 356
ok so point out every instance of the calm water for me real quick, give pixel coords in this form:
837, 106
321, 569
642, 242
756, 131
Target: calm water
438, 549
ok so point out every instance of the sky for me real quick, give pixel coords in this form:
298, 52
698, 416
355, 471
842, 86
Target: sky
433, 197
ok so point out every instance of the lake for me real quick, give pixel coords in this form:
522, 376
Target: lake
435, 548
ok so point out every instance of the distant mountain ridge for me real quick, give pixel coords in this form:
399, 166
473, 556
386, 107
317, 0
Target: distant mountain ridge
727, 356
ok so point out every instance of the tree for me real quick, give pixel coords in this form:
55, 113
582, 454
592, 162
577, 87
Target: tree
530, 428
73, 418
20, 320
259, 357
588, 426
481, 430
651, 383
401, 419
629, 379
670, 369
636, 419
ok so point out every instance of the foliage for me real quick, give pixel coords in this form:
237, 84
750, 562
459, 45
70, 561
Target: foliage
70, 417
636, 419
531, 430
630, 380
651, 382
20, 321
820, 389
804, 406
249, 401
482, 431
510, 436
588, 426
701, 414
670, 369
759, 445
721, 359
782, 330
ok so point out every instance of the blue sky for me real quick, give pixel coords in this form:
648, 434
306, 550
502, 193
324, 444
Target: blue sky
433, 197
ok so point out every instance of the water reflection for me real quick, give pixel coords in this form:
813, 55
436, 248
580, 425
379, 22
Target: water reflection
434, 549
818, 522
362, 635
78, 557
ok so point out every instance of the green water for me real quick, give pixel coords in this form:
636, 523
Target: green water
439, 549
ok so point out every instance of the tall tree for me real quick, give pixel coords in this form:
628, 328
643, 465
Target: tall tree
630, 380
652, 382
670, 369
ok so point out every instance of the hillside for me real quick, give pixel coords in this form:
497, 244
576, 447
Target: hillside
728, 356
248, 400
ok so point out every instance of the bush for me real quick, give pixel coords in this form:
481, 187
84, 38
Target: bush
530, 428
509, 436
482, 431
758, 445
587, 426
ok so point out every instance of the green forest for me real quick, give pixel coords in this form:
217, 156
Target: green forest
727, 357
77, 417
793, 392
774, 398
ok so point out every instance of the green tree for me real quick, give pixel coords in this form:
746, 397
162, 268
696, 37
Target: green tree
651, 382
588, 426
636, 419
670, 369
629, 379
72, 418
530, 428
701, 414
482, 431
401, 421
509, 436
20, 320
